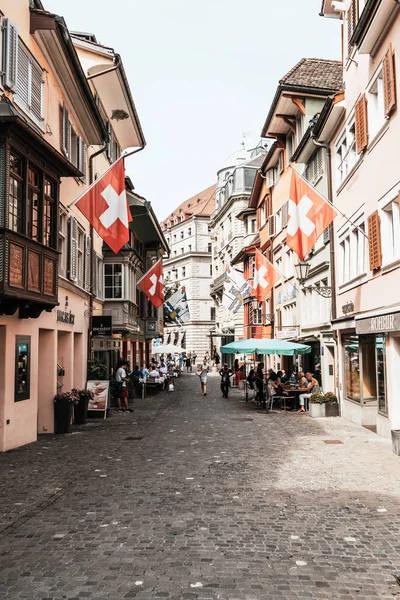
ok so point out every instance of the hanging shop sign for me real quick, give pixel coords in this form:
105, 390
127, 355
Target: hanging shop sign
65, 316
381, 324
287, 333
102, 325
348, 308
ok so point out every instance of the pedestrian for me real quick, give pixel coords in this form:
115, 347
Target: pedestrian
194, 356
225, 374
188, 364
259, 381
202, 373
180, 362
217, 359
122, 379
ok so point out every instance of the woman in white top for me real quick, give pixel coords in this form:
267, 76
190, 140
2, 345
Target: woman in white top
202, 372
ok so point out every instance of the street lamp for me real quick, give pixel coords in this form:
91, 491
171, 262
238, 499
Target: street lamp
302, 272
264, 316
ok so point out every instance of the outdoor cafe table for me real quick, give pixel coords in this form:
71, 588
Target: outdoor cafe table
295, 392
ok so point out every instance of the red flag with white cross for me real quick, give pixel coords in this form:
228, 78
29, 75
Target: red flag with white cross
105, 206
265, 276
152, 284
309, 215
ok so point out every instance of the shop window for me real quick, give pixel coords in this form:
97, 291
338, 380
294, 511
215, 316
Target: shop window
352, 367
22, 368
113, 281
381, 373
368, 362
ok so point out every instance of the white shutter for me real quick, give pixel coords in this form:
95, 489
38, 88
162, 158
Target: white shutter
10, 55
23, 83
73, 250
88, 263
271, 226
285, 213
82, 158
65, 132
36, 89
109, 141
327, 235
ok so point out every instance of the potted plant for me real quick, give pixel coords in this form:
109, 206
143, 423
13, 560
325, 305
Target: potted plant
63, 410
80, 409
317, 408
324, 405
396, 441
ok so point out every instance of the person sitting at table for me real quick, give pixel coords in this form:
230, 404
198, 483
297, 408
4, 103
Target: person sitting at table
284, 376
145, 371
259, 381
312, 388
301, 379
137, 372
153, 372
251, 377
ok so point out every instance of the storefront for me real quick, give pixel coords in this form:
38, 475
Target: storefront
370, 359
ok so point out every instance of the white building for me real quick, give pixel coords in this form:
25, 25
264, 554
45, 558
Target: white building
234, 184
188, 234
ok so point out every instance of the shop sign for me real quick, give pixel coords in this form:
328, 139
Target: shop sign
348, 308
65, 317
286, 332
383, 323
102, 325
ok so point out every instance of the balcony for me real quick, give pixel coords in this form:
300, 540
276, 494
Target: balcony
124, 315
218, 283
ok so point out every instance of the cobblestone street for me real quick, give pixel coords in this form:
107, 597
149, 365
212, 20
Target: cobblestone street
202, 498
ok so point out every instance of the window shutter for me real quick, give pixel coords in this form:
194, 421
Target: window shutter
82, 158
361, 124
65, 132
271, 226
374, 241
320, 163
88, 263
389, 81
73, 249
285, 213
109, 141
351, 22
10, 55
36, 89
327, 234
22, 88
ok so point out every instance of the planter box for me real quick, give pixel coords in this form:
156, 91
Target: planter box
331, 409
396, 441
328, 409
62, 416
80, 412
317, 410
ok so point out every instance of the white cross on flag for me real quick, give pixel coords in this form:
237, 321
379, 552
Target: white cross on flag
309, 215
265, 277
105, 206
152, 284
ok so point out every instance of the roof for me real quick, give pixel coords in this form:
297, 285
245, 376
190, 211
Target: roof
201, 205
315, 73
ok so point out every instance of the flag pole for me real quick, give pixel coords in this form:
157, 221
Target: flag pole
329, 202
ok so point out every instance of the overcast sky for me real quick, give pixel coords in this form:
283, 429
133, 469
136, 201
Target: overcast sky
201, 73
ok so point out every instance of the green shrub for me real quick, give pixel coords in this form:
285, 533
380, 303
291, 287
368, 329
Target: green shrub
330, 397
317, 398
97, 370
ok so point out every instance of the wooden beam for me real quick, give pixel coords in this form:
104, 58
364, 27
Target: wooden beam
288, 119
300, 105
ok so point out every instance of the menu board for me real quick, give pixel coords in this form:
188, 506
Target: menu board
100, 391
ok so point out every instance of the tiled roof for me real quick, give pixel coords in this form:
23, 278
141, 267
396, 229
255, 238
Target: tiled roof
315, 73
202, 204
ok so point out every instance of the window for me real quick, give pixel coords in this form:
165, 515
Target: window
299, 128
352, 254
174, 237
81, 260
208, 228
189, 231
364, 370
15, 193
262, 214
182, 235
182, 250
183, 271
29, 82
281, 162
390, 238
189, 248
289, 315
289, 146
381, 373
209, 247
62, 244
22, 368
346, 154
49, 211
113, 281
257, 315
314, 169
98, 277
34, 193
212, 313
253, 225
249, 175
211, 270
174, 252
72, 145
288, 263
376, 105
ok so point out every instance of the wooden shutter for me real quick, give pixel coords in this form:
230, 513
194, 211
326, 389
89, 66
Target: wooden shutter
73, 249
389, 81
23, 80
36, 89
285, 213
10, 56
361, 123
374, 241
88, 263
271, 226
82, 160
65, 132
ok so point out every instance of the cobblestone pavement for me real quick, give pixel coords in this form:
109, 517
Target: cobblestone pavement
201, 498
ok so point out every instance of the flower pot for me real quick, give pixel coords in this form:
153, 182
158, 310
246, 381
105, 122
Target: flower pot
331, 409
62, 415
396, 441
317, 410
80, 412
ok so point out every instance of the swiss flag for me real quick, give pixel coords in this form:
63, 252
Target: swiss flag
309, 215
152, 284
105, 206
265, 277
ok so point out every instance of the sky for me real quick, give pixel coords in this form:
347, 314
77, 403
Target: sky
201, 73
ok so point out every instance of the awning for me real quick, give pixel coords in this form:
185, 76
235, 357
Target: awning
114, 93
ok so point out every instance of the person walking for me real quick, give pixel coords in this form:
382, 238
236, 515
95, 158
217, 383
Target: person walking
202, 373
225, 374
122, 379
188, 364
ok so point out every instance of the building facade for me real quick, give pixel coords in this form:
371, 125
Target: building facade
362, 132
188, 234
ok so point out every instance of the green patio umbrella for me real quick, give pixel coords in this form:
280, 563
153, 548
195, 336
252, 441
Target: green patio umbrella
265, 346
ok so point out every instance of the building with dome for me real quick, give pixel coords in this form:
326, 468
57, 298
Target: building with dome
234, 184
